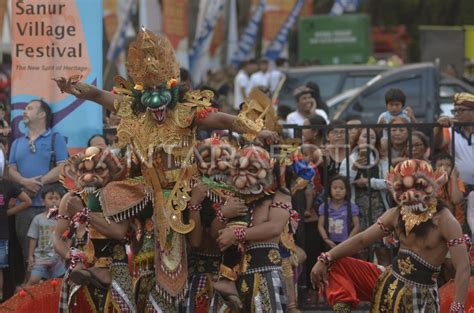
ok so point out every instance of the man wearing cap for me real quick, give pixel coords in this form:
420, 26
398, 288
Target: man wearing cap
463, 143
305, 107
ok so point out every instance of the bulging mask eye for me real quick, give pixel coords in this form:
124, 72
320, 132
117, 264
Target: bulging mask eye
253, 170
422, 182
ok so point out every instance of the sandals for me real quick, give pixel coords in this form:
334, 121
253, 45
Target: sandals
80, 278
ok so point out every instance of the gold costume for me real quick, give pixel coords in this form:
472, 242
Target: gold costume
164, 151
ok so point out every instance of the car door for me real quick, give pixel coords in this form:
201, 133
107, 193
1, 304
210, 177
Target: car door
447, 88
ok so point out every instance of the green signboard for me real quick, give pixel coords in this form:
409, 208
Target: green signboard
334, 39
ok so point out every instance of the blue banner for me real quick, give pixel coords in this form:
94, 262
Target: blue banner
63, 41
203, 37
117, 45
278, 43
249, 37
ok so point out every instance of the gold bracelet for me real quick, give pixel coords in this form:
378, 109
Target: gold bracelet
247, 127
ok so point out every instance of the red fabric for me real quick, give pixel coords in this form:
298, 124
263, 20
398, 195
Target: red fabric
40, 298
446, 294
318, 186
202, 305
351, 281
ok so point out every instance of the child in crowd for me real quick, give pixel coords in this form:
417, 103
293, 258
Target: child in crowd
452, 193
8, 190
312, 157
339, 219
43, 261
366, 166
395, 102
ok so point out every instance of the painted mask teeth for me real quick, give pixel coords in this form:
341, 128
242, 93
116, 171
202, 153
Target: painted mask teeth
89, 190
419, 207
218, 177
158, 113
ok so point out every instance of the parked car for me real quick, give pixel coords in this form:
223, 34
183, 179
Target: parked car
427, 94
335, 102
448, 87
332, 79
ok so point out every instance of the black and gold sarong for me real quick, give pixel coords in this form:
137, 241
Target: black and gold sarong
409, 285
203, 271
261, 285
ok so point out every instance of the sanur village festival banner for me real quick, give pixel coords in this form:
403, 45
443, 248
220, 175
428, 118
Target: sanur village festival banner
54, 38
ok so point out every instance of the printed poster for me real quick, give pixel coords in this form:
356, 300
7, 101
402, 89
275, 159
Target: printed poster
54, 38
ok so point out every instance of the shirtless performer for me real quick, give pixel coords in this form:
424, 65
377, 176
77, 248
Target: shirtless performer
260, 282
427, 231
97, 278
212, 203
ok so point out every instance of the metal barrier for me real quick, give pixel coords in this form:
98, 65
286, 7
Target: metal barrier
427, 128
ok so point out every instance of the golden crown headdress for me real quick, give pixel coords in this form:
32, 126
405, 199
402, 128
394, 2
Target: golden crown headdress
151, 60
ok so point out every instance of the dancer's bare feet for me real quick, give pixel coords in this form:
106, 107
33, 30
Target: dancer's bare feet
229, 293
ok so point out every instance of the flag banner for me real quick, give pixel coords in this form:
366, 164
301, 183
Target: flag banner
277, 22
232, 31
341, 6
215, 55
110, 16
199, 54
249, 36
117, 46
3, 13
175, 27
52, 39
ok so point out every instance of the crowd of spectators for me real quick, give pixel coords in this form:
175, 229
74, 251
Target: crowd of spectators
359, 163
28, 190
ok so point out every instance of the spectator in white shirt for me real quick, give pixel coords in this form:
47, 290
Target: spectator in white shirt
306, 106
276, 75
260, 78
241, 82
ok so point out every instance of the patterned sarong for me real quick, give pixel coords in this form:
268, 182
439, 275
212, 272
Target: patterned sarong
409, 285
261, 286
204, 269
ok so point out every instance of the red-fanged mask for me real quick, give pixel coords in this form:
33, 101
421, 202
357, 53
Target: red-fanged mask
214, 158
414, 186
91, 170
252, 171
